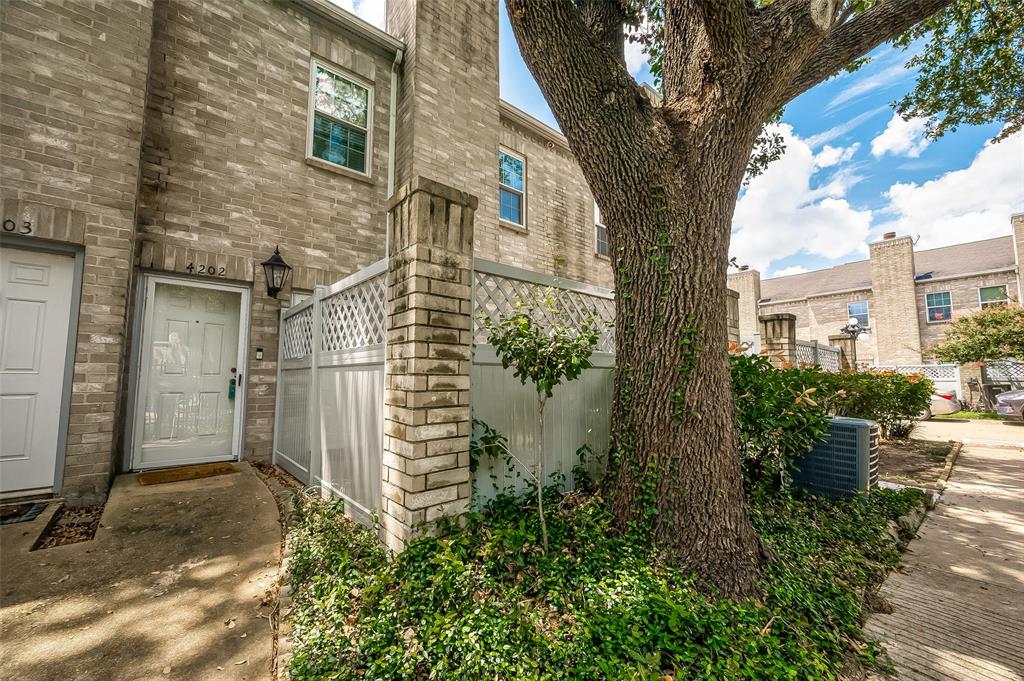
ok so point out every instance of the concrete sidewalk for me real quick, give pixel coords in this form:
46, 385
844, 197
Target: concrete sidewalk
958, 601
972, 432
178, 584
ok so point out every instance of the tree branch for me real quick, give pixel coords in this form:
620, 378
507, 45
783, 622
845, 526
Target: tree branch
858, 36
574, 51
728, 25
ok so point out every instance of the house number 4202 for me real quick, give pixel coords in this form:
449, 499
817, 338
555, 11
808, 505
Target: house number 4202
11, 226
208, 270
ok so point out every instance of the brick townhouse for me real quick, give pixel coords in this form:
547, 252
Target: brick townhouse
904, 297
155, 152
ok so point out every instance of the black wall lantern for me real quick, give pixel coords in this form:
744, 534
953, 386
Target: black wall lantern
277, 271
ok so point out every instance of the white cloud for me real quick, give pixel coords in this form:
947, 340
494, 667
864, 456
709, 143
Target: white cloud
962, 205
790, 208
792, 269
371, 11
837, 131
636, 59
869, 84
901, 138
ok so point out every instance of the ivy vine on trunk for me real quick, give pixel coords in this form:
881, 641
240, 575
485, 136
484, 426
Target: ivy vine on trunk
666, 175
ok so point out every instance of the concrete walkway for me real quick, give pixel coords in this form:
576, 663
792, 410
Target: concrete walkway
958, 602
972, 432
178, 584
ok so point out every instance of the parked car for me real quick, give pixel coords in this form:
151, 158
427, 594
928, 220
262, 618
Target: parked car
1011, 404
943, 402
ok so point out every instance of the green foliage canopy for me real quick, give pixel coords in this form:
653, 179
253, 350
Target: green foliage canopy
996, 332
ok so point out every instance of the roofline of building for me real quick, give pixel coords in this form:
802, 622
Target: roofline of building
338, 16
979, 273
923, 250
524, 119
825, 294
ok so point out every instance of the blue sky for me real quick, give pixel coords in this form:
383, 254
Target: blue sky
852, 170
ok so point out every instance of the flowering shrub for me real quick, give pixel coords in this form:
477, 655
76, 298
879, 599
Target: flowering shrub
893, 400
781, 413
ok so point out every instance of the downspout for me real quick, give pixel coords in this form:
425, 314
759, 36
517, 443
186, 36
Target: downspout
392, 120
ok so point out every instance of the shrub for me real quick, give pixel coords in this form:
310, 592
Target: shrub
995, 332
485, 602
780, 414
892, 399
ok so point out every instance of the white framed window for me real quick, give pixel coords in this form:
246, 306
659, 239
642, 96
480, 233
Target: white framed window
859, 309
993, 295
511, 188
940, 307
340, 119
600, 233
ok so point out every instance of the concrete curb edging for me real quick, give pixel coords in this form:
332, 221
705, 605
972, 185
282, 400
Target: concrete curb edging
947, 470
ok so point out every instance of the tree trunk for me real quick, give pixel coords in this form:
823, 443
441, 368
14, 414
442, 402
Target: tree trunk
675, 470
541, 401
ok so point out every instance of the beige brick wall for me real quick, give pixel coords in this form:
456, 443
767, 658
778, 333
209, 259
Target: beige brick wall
72, 97
225, 169
819, 317
964, 298
448, 105
894, 323
747, 284
559, 238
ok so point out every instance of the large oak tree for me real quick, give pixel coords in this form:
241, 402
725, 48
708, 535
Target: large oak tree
666, 176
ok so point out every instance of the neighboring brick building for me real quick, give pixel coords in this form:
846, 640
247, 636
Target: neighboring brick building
907, 297
155, 153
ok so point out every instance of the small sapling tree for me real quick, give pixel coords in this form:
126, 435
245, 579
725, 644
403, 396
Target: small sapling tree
545, 355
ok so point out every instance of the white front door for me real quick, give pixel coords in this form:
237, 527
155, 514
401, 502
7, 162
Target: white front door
35, 311
188, 408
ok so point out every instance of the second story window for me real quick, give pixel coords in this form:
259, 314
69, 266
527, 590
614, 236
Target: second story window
993, 295
600, 233
940, 306
341, 120
859, 309
511, 188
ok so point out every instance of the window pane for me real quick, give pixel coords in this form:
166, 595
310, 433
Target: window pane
340, 144
511, 206
602, 240
940, 307
993, 294
510, 171
858, 309
341, 98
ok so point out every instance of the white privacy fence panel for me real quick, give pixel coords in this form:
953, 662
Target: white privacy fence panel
329, 425
579, 411
825, 356
945, 377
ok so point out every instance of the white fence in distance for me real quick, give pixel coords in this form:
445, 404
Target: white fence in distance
577, 414
329, 425
825, 356
945, 377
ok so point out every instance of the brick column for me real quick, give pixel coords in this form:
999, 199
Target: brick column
848, 344
427, 421
778, 338
968, 371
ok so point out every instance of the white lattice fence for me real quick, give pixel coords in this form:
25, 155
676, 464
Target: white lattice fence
355, 317
1005, 371
945, 377
297, 332
501, 290
578, 413
825, 356
329, 425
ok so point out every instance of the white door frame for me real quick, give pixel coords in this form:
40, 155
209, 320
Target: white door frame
76, 251
147, 287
